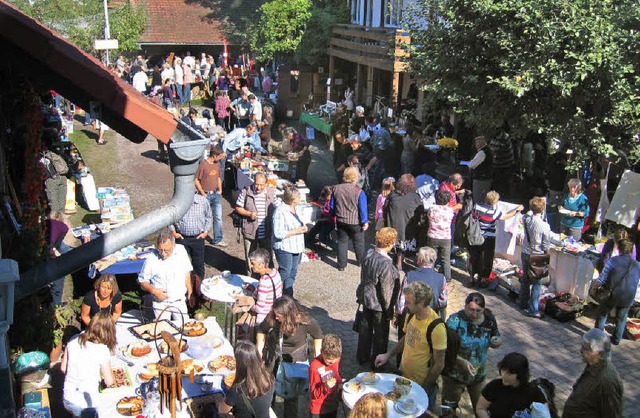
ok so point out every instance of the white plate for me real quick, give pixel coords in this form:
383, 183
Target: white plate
350, 386
564, 211
373, 382
404, 411
236, 292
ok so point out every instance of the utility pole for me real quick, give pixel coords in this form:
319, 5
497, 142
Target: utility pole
107, 34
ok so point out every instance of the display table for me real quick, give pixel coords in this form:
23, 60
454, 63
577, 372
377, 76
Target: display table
385, 385
316, 122
107, 400
226, 290
569, 272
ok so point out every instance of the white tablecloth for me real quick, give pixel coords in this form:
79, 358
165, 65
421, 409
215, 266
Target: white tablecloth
222, 290
385, 385
106, 403
569, 272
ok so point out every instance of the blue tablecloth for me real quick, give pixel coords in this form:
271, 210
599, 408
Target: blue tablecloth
127, 266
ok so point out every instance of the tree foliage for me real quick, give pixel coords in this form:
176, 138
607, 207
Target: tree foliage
565, 69
312, 49
82, 22
279, 28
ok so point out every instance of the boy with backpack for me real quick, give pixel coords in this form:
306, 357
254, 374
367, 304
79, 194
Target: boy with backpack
424, 347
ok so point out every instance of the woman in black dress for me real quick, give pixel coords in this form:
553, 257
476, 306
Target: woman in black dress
252, 391
105, 297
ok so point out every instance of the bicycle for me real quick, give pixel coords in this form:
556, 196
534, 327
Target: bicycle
380, 108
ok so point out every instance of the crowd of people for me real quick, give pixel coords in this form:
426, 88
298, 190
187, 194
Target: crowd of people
415, 214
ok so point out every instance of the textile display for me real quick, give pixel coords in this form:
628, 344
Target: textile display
626, 200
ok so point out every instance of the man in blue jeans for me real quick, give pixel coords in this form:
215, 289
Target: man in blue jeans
621, 274
209, 184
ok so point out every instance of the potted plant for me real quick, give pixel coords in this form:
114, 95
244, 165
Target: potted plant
65, 317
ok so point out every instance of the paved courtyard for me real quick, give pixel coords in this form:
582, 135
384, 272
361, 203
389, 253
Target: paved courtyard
552, 347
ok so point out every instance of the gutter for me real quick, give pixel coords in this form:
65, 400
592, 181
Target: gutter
185, 152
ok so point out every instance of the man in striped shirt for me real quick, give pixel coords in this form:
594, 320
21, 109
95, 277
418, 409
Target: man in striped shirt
192, 230
481, 256
270, 285
256, 205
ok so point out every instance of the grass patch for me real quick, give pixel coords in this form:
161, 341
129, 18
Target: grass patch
102, 162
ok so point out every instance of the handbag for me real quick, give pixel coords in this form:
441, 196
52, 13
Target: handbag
602, 294
357, 322
538, 264
292, 379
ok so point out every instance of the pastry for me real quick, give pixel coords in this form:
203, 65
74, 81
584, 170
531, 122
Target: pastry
222, 362
120, 377
229, 379
190, 364
393, 395
369, 377
149, 373
164, 348
130, 405
139, 349
194, 328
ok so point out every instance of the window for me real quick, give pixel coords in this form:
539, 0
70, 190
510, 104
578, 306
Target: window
393, 12
357, 11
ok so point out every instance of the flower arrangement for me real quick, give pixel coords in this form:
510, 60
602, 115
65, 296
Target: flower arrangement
448, 143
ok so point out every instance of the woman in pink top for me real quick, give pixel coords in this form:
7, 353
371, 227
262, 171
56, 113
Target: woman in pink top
387, 188
439, 232
221, 110
270, 284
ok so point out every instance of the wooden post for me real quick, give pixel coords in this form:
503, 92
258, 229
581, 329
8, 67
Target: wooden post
332, 64
369, 89
358, 93
395, 94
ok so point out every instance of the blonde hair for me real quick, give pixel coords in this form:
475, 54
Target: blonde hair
492, 198
109, 279
351, 175
387, 187
371, 405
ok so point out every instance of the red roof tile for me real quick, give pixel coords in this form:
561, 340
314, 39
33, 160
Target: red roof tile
181, 22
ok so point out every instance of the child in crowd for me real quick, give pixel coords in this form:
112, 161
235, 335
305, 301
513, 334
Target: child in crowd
325, 382
387, 188
325, 224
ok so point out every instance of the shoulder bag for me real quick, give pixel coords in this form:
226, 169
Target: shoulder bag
357, 322
247, 402
538, 263
292, 379
602, 294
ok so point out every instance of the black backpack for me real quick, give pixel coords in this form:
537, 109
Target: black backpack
453, 344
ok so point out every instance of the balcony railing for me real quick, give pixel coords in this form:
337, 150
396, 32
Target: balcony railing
377, 47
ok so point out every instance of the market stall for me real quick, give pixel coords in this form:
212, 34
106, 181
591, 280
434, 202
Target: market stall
571, 267
246, 169
134, 371
317, 121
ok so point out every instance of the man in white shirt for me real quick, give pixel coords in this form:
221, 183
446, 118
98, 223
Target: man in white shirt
140, 81
255, 110
166, 275
481, 167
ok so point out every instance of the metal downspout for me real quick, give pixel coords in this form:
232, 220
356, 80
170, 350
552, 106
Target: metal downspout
184, 158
